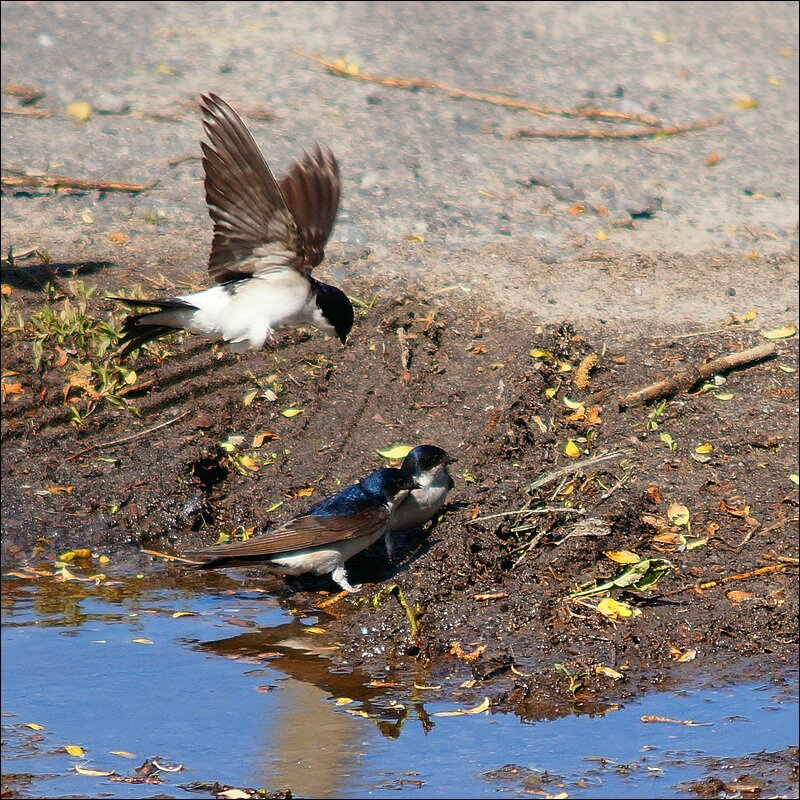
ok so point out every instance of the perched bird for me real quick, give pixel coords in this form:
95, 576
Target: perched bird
268, 237
326, 536
428, 466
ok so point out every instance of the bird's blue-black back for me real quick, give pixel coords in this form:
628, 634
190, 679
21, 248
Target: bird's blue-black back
370, 492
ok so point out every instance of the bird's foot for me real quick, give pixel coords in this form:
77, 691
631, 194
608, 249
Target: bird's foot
339, 575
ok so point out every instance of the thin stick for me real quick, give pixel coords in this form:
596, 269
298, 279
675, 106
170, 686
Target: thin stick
24, 180
414, 84
331, 600
739, 577
539, 510
27, 112
405, 350
26, 94
687, 378
577, 466
174, 162
638, 133
168, 557
128, 438
694, 333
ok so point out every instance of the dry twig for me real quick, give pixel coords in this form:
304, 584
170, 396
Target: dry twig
23, 180
168, 557
130, 438
26, 94
728, 578
685, 379
27, 112
414, 84
596, 133
405, 350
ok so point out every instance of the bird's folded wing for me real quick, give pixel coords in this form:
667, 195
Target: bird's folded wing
300, 533
311, 190
244, 200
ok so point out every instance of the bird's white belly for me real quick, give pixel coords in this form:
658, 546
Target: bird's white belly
322, 560
246, 314
418, 507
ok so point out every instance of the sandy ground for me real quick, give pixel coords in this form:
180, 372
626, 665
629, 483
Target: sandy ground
703, 241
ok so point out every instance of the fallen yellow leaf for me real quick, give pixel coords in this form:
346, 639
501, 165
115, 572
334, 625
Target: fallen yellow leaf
92, 773
623, 556
780, 333
608, 672
343, 701
264, 436
615, 609
744, 103
291, 412
395, 452
678, 515
571, 449
74, 750
80, 111
249, 463
484, 706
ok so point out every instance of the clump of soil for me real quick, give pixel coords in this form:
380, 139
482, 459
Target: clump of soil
527, 410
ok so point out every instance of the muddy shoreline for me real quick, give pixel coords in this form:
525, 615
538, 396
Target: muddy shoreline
489, 594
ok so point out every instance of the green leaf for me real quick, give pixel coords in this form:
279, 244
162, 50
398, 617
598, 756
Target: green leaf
640, 576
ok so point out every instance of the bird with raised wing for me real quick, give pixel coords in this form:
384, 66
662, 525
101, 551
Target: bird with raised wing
268, 237
326, 536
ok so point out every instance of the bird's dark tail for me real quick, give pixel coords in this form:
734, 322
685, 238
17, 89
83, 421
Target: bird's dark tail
138, 329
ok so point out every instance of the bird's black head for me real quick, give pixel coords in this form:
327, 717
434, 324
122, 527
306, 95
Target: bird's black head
425, 458
389, 482
336, 308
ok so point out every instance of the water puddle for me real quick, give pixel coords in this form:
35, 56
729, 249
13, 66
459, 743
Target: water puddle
239, 691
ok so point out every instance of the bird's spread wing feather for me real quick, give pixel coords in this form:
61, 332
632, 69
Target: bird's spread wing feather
300, 533
244, 200
311, 190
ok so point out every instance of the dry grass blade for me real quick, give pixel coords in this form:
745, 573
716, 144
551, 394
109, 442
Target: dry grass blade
413, 84
569, 469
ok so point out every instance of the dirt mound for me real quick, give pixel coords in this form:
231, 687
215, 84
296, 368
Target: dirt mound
188, 440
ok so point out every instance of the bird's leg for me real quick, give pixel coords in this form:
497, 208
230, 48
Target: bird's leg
390, 551
339, 575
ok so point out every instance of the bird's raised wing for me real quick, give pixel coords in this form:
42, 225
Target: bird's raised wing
253, 227
298, 534
311, 190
